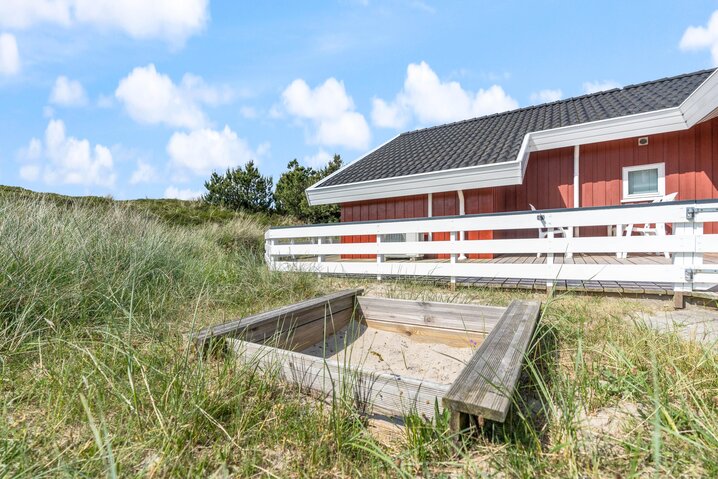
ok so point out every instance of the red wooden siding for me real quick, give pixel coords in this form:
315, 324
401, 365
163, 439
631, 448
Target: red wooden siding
475, 202
548, 183
381, 209
444, 204
690, 157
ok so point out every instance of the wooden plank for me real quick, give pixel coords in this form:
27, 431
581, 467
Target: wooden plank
460, 317
381, 393
301, 337
486, 385
428, 334
265, 324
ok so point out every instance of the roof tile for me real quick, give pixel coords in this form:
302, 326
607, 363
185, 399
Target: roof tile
497, 138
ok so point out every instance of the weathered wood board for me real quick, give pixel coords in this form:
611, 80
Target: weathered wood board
458, 325
486, 385
380, 393
484, 388
295, 327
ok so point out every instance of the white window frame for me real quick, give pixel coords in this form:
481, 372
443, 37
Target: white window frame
661, 167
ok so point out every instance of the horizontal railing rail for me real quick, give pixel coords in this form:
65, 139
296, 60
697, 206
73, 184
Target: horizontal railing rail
334, 248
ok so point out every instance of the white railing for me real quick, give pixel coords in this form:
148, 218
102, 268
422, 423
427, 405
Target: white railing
309, 248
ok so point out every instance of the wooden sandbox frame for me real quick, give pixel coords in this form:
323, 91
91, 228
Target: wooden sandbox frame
484, 388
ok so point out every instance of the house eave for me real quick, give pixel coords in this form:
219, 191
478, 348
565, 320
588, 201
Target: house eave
699, 105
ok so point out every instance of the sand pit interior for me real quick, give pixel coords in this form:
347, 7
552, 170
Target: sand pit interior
391, 352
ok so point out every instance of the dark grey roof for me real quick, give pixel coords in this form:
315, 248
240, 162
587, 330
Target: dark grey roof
497, 138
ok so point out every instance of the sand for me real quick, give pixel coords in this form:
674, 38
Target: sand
389, 352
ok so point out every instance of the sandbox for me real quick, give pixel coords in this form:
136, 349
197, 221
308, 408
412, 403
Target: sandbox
392, 356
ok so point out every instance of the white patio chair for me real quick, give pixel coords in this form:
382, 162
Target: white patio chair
543, 232
655, 229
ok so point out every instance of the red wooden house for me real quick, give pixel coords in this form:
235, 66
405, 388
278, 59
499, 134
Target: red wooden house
616, 147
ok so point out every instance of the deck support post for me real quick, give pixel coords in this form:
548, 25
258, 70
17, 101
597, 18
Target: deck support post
453, 260
379, 258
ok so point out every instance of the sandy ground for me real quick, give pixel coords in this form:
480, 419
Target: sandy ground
384, 351
694, 323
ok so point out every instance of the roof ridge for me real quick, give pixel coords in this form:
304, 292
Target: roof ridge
565, 100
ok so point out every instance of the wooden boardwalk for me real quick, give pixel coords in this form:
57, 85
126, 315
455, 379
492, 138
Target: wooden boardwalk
611, 287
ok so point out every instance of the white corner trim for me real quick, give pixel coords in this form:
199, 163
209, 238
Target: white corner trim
697, 107
576, 176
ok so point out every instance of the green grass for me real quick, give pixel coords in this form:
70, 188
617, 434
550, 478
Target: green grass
171, 211
97, 377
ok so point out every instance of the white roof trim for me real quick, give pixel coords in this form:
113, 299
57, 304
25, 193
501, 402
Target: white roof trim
699, 105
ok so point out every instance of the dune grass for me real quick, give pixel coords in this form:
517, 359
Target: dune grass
98, 377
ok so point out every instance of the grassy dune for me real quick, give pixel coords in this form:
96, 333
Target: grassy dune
97, 378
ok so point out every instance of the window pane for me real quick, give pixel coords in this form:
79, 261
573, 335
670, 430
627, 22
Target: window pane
641, 182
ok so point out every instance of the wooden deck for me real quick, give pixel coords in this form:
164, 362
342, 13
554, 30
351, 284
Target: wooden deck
578, 258
613, 287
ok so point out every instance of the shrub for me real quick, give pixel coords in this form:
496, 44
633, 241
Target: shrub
290, 197
240, 189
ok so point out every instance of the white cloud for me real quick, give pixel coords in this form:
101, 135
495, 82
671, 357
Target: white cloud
145, 173
318, 160
171, 20
29, 172
68, 92
387, 115
331, 110
596, 86
248, 112
699, 38
9, 55
181, 194
151, 97
67, 160
205, 150
546, 96
430, 100
105, 101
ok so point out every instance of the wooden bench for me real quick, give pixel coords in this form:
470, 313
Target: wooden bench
292, 327
486, 385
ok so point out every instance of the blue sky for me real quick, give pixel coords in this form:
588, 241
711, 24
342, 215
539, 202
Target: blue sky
144, 99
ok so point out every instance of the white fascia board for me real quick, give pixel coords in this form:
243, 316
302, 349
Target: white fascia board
697, 107
309, 190
702, 101
483, 176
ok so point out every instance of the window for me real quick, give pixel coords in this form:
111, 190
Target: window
644, 182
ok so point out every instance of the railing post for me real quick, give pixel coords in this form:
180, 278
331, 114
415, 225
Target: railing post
688, 259
268, 243
320, 258
549, 260
452, 236
379, 258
